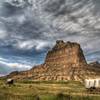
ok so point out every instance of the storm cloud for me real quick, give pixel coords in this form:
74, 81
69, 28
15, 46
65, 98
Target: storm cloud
28, 28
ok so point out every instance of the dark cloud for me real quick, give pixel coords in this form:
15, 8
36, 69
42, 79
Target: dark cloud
10, 10
14, 8
61, 7
54, 5
28, 30
97, 7
33, 29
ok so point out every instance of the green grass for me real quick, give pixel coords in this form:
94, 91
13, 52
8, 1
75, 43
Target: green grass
45, 90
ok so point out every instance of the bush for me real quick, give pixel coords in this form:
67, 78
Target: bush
61, 96
36, 97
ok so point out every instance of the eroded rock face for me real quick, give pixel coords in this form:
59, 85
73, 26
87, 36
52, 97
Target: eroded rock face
65, 54
65, 61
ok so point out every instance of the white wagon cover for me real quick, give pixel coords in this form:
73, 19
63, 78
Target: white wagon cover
92, 83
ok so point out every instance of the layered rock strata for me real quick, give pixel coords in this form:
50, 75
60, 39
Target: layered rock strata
65, 61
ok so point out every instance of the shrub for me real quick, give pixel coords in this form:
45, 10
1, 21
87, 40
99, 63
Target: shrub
61, 96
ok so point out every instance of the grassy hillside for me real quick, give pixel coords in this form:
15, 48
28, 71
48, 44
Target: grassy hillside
30, 90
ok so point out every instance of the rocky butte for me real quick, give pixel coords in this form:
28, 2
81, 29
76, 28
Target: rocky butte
65, 61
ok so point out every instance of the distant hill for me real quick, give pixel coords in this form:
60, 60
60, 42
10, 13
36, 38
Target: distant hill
65, 61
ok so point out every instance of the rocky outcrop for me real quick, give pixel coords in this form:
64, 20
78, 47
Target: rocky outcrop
65, 61
96, 64
65, 54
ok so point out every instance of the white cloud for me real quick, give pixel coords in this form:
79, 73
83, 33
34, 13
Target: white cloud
19, 66
21, 19
2, 59
42, 44
29, 44
25, 45
16, 66
3, 34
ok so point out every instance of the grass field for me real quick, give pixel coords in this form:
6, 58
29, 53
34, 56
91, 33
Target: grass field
32, 90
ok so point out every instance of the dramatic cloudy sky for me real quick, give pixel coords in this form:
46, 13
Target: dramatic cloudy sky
28, 28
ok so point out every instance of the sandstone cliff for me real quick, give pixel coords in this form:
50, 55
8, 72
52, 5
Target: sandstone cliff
65, 54
65, 61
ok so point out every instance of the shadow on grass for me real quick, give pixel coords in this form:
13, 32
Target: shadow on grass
59, 96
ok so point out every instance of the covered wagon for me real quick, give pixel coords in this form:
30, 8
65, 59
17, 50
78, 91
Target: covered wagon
92, 85
10, 81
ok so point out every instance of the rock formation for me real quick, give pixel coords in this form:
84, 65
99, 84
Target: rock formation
65, 61
65, 54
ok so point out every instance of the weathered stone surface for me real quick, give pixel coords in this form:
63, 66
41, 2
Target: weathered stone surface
65, 61
65, 54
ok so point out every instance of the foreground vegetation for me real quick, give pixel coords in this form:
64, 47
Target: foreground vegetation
32, 90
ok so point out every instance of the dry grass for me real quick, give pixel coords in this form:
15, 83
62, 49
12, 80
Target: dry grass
30, 90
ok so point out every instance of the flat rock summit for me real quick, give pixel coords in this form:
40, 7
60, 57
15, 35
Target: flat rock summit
65, 61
